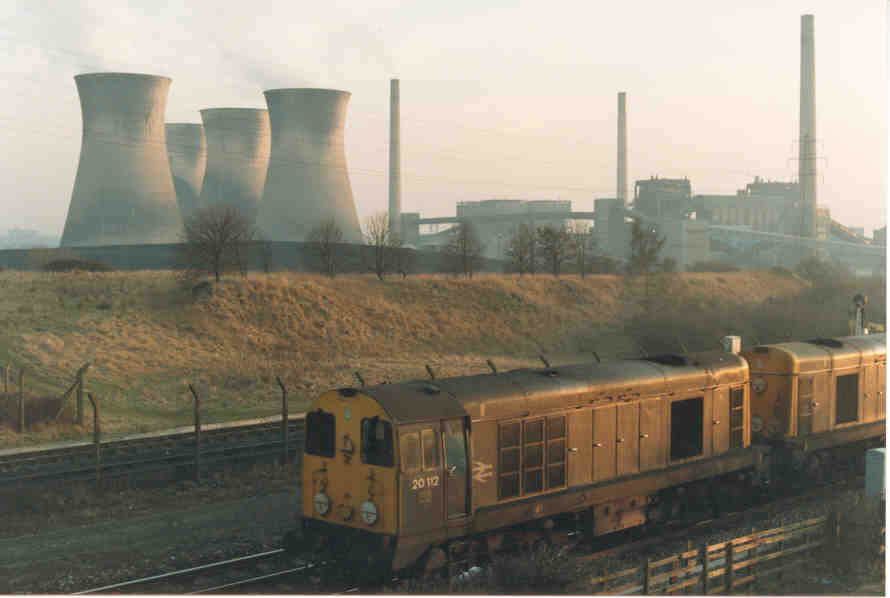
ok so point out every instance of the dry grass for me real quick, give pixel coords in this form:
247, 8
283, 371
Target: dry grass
147, 337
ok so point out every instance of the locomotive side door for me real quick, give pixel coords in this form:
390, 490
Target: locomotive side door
454, 440
580, 439
720, 421
604, 422
805, 407
421, 477
628, 440
869, 393
652, 442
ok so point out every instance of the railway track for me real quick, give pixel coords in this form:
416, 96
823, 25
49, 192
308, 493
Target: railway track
246, 574
256, 440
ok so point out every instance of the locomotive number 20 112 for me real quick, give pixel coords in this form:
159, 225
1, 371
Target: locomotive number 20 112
430, 481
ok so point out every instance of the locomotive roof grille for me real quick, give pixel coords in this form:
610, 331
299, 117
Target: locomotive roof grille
826, 342
431, 389
347, 392
668, 359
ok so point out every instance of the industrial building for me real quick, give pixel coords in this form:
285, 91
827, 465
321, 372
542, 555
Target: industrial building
494, 221
238, 141
123, 191
307, 182
187, 151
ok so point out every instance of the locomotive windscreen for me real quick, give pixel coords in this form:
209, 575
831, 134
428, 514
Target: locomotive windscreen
377, 446
320, 436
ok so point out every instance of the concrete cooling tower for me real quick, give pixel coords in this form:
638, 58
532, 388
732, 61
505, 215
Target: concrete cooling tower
123, 192
187, 151
237, 157
307, 182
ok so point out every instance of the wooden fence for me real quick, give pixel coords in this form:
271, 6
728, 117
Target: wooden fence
723, 567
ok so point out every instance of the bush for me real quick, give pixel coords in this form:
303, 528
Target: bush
782, 271
713, 266
74, 264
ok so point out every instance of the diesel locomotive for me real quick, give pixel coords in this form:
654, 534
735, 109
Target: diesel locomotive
422, 473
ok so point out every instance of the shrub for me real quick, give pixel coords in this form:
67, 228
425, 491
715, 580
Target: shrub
75, 264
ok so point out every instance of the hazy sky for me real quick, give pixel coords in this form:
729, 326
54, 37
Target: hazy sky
499, 99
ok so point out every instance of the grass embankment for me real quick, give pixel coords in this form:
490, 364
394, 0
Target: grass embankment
146, 336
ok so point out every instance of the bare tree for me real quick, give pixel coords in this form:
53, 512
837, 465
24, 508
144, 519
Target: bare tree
556, 246
645, 245
582, 244
520, 248
215, 239
464, 247
380, 237
324, 239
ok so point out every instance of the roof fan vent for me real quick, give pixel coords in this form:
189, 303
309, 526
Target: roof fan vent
347, 392
431, 389
826, 342
668, 359
549, 372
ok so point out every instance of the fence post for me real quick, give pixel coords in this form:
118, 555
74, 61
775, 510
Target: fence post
284, 421
97, 440
727, 575
197, 434
705, 565
646, 578
6, 380
22, 400
834, 529
81, 373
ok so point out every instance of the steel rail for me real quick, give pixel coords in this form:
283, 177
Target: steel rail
182, 572
253, 580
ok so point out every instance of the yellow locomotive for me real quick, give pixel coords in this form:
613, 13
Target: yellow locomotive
423, 473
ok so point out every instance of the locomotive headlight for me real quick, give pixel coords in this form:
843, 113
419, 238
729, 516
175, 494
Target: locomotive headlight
369, 512
322, 503
756, 423
758, 384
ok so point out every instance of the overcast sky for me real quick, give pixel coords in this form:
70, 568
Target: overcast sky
499, 99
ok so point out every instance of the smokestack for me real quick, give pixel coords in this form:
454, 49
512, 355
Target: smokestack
123, 192
622, 148
308, 182
237, 157
395, 159
187, 151
807, 143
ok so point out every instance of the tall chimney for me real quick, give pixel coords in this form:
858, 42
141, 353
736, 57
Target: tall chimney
807, 143
622, 148
395, 160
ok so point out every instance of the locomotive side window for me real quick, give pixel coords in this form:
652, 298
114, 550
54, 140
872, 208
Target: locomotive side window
410, 452
736, 418
686, 428
533, 456
430, 450
320, 434
377, 442
508, 462
847, 393
556, 452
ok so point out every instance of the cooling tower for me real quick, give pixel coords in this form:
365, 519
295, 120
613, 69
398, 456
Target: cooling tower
807, 173
237, 157
187, 151
395, 158
307, 182
123, 192
622, 148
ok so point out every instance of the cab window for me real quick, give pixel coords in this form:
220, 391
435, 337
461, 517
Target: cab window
320, 434
410, 451
377, 442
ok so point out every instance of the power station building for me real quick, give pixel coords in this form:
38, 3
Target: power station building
123, 191
307, 182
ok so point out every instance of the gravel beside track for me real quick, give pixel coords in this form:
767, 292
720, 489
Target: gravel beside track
77, 558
